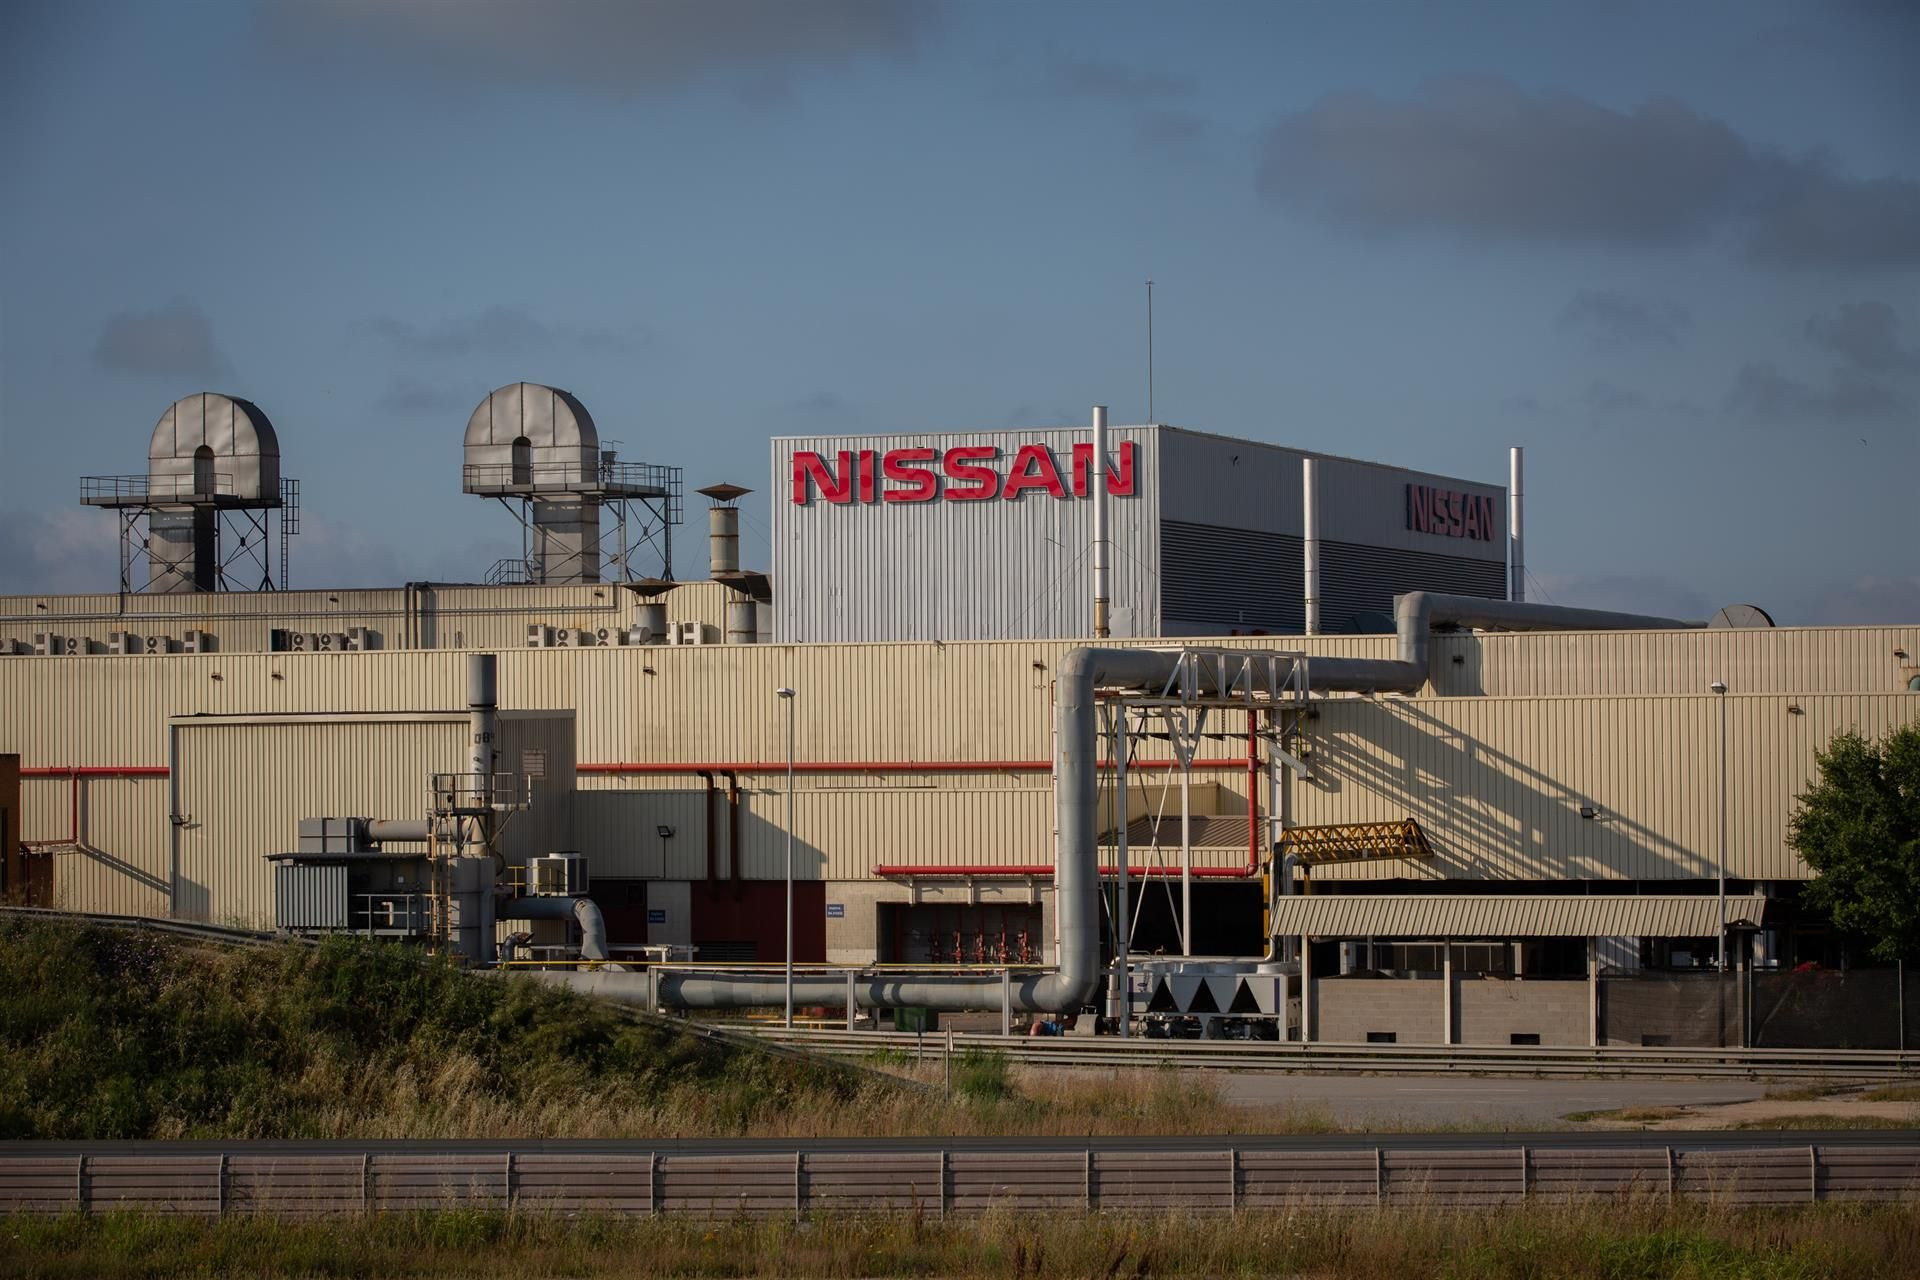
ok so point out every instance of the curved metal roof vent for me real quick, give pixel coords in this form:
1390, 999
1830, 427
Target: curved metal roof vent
212, 485
535, 449
230, 433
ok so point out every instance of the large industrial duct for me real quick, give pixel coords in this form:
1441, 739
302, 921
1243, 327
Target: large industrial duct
1076, 874
593, 926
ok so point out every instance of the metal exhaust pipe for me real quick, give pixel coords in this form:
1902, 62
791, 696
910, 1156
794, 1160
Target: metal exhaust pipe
1101, 595
1516, 548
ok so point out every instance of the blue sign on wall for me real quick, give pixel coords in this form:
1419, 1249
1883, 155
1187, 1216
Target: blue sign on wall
836, 910
656, 915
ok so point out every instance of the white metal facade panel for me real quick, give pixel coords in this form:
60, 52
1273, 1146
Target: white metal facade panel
940, 570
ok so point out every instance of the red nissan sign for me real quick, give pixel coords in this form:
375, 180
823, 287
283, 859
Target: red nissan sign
965, 473
1450, 513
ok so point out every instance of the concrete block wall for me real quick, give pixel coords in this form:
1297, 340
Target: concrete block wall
1346, 1009
1491, 1011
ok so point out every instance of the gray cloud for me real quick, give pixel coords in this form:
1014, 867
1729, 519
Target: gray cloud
1623, 593
1484, 157
1828, 222
54, 551
823, 404
175, 340
406, 396
1090, 78
496, 331
618, 47
1762, 393
1866, 335
1607, 399
1171, 132
1611, 319
1867, 601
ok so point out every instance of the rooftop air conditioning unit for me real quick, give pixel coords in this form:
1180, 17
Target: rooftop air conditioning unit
607, 637
557, 875
686, 633
356, 640
539, 637
564, 637
153, 644
197, 642
120, 643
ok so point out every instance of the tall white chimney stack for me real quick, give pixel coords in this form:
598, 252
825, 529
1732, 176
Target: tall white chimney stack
1516, 549
1101, 595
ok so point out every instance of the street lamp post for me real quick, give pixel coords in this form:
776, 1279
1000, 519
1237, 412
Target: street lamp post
1719, 688
786, 695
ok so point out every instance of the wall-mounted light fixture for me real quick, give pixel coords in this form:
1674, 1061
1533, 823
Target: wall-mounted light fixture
277, 676
1793, 709
648, 670
216, 676
664, 831
1459, 659
1588, 812
1898, 653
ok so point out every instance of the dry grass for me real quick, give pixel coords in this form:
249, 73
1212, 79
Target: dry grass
1803, 1092
1629, 1115
1817, 1121
1892, 1093
1581, 1242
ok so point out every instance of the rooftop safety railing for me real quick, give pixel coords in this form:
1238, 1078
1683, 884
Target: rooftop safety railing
640, 478
120, 490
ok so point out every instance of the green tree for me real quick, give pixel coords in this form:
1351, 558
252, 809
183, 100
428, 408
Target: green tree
1858, 827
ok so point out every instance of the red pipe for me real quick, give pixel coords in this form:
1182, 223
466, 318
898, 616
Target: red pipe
1046, 869
874, 766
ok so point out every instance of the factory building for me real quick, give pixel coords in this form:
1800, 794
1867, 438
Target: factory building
988, 535
1464, 850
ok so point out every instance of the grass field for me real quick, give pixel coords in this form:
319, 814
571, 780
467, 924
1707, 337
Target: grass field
110, 1033
1584, 1243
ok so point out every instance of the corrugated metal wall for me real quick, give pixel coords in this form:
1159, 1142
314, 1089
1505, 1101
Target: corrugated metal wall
961, 570
1498, 783
244, 785
1497, 779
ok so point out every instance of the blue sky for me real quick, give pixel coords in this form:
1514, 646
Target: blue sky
1672, 249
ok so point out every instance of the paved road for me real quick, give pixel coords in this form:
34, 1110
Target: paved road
1692, 1140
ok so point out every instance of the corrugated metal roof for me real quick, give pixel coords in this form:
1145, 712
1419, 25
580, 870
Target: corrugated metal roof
1509, 916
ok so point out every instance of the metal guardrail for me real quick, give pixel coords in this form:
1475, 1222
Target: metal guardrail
939, 1181
155, 924
1254, 1055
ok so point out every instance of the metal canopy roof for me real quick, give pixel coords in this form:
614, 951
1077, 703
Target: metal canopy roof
1490, 916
